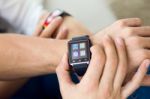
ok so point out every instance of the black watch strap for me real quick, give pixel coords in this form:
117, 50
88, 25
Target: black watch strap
54, 14
80, 69
85, 37
62, 13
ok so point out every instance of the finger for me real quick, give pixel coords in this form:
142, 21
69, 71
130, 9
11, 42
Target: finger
142, 31
146, 81
39, 27
122, 67
63, 73
96, 65
131, 22
62, 34
136, 81
143, 42
111, 63
51, 28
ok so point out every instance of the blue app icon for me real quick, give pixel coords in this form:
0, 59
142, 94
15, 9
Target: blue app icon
75, 46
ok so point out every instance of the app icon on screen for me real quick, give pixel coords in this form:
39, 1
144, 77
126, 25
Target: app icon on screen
83, 53
75, 54
75, 46
82, 45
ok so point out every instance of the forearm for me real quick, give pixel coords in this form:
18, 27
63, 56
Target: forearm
9, 88
29, 56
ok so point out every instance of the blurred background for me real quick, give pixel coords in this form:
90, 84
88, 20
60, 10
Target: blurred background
95, 14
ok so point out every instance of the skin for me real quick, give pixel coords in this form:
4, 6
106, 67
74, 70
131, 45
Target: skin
105, 75
137, 39
44, 65
30, 62
8, 88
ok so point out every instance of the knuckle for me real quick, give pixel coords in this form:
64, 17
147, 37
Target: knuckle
106, 92
106, 40
121, 23
129, 31
95, 49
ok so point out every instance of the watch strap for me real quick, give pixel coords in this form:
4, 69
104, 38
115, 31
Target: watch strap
54, 14
85, 37
80, 69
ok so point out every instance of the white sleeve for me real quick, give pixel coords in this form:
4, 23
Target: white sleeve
23, 15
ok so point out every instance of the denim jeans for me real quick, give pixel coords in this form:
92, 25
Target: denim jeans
47, 87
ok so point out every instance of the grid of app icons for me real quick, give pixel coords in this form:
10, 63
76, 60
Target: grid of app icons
78, 50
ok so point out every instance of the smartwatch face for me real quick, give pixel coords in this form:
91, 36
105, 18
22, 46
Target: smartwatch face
79, 51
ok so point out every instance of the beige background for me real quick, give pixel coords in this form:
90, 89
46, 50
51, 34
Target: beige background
95, 14
131, 8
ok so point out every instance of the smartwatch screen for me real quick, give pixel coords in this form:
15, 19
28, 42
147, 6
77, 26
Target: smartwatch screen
79, 51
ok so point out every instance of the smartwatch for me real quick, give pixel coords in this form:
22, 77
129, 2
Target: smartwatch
53, 15
79, 54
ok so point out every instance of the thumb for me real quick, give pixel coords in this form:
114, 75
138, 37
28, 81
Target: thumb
63, 73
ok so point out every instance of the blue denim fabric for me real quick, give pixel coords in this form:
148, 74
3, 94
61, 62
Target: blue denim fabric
44, 87
47, 87
141, 93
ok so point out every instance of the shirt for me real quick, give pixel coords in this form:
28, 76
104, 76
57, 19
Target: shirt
21, 15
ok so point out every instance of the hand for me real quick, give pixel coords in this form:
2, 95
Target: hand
105, 74
137, 39
74, 27
51, 29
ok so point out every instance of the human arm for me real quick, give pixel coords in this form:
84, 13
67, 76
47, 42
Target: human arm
105, 75
136, 39
8, 88
31, 55
75, 28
